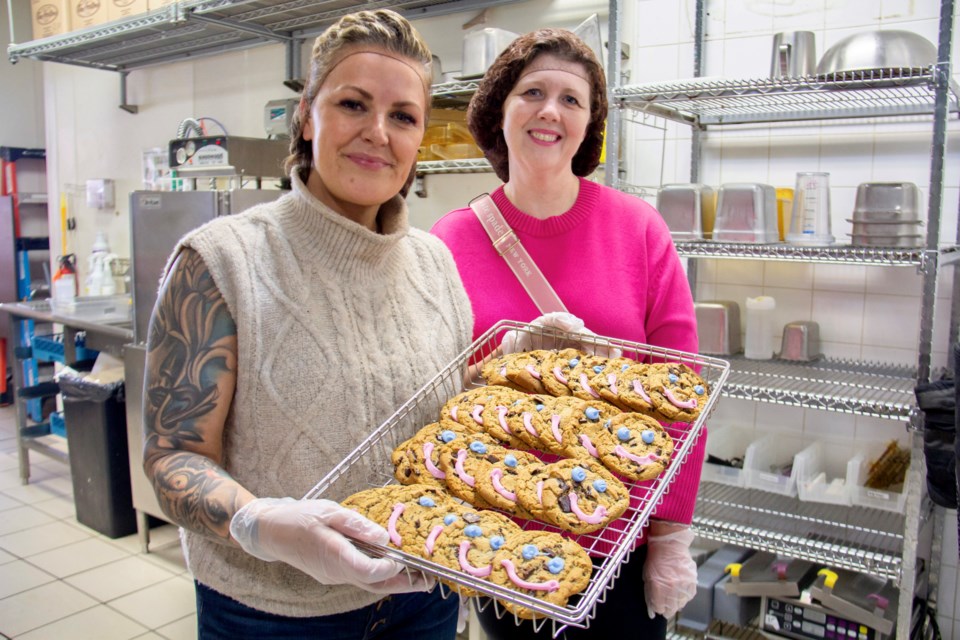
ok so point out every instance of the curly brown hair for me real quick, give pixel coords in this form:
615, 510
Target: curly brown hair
485, 113
384, 29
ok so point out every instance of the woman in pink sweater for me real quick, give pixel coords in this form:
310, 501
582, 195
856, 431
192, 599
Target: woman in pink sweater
539, 117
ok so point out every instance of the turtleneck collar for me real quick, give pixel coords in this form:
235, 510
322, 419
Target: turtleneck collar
587, 199
319, 235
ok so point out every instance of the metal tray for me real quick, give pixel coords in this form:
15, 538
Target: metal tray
369, 466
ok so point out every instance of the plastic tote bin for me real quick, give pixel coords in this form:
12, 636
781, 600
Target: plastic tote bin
822, 470
727, 444
770, 463
96, 423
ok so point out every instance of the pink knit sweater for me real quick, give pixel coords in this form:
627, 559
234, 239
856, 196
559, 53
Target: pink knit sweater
611, 260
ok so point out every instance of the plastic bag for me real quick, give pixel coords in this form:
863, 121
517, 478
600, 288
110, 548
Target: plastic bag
938, 400
84, 387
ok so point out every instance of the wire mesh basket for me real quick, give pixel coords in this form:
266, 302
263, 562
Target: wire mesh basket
369, 465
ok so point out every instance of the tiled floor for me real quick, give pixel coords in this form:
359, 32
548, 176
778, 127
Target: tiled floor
60, 579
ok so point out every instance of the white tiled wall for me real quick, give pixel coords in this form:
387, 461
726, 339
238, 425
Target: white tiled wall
869, 313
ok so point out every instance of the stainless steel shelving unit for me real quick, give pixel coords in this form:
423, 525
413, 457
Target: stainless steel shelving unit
872, 93
886, 543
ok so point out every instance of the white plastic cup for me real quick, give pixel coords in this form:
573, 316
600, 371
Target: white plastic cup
810, 220
759, 342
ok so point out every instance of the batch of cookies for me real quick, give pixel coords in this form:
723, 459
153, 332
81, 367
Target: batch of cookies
599, 418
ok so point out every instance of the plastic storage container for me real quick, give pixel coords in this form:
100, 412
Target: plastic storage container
727, 443
50, 348
892, 499
822, 472
770, 463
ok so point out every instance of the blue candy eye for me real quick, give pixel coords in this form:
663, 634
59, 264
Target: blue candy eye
592, 413
578, 474
600, 485
529, 551
624, 367
574, 362
478, 447
648, 436
623, 434
539, 407
555, 565
510, 460
426, 501
598, 369
699, 390
449, 519
447, 436
673, 378
473, 531
496, 542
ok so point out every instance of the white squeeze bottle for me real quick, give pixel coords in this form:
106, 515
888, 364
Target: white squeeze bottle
759, 342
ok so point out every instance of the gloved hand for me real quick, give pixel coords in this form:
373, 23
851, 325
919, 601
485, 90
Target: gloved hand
311, 535
515, 341
669, 574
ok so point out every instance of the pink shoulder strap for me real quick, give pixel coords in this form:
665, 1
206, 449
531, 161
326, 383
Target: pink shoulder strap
507, 244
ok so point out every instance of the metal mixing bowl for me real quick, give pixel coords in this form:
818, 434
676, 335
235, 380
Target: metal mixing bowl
887, 49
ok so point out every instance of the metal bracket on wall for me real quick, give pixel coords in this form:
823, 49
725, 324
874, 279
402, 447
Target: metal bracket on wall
129, 108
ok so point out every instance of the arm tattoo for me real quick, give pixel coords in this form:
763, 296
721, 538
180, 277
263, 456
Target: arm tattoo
190, 376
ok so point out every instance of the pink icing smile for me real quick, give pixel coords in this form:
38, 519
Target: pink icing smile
638, 387
586, 385
527, 417
432, 538
549, 585
585, 441
453, 413
641, 460
392, 523
677, 402
555, 427
428, 462
540, 492
466, 477
559, 375
476, 413
469, 568
594, 518
495, 475
532, 371
502, 412
612, 383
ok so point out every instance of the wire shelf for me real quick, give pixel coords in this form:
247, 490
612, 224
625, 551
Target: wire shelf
195, 28
856, 538
868, 93
836, 254
470, 165
370, 466
846, 386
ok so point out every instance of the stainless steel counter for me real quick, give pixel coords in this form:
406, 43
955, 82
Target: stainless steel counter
106, 321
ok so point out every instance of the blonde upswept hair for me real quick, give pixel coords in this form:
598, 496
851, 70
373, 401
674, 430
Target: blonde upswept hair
382, 29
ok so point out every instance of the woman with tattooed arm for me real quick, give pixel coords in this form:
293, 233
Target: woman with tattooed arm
283, 335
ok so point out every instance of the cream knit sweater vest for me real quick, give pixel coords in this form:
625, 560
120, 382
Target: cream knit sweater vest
337, 327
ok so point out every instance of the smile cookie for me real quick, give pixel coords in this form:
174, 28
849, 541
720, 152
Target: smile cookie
636, 447
588, 367
555, 371
468, 541
523, 369
515, 421
463, 462
543, 565
677, 392
404, 511
582, 495
577, 419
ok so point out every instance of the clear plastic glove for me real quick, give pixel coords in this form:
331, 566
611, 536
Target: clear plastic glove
311, 535
669, 574
516, 341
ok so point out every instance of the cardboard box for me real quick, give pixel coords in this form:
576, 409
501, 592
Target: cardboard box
50, 17
87, 13
118, 9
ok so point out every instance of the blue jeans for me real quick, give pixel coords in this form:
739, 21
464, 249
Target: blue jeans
425, 616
